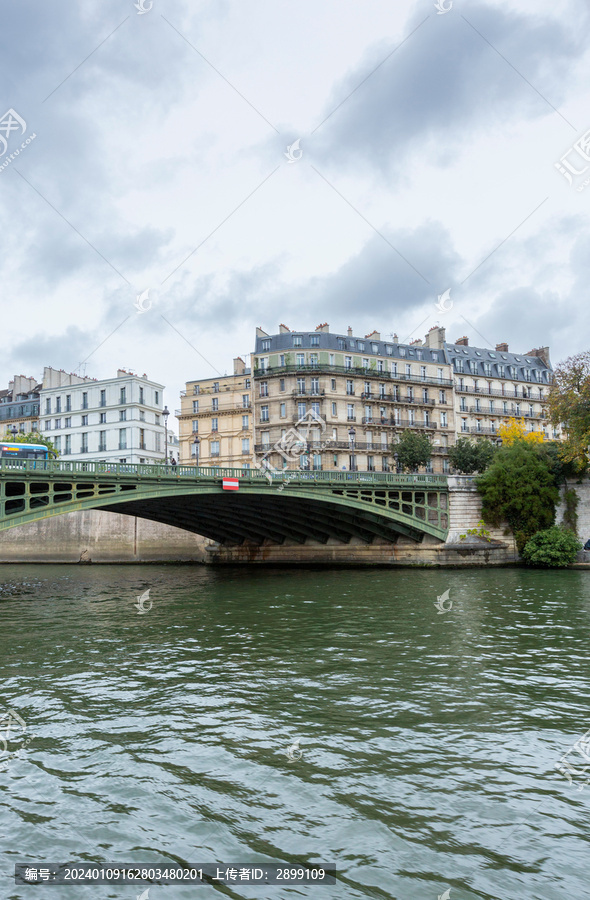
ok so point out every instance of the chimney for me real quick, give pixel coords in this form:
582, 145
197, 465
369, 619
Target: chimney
261, 333
395, 338
542, 353
323, 327
502, 348
462, 341
416, 341
349, 331
239, 366
435, 339
283, 329
375, 336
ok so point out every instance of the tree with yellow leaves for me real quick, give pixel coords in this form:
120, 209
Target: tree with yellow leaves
512, 430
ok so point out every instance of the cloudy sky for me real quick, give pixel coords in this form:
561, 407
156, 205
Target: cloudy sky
426, 162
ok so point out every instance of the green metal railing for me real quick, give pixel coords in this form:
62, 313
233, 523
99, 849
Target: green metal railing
142, 470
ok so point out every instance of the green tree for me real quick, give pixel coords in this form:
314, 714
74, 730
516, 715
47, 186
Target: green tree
551, 547
413, 450
469, 456
33, 437
569, 403
519, 488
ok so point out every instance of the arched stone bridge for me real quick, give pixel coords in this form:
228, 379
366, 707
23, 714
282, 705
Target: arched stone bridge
315, 505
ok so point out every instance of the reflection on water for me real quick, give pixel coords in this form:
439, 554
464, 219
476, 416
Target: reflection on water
299, 715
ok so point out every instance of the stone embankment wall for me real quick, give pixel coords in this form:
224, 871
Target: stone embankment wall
582, 489
99, 537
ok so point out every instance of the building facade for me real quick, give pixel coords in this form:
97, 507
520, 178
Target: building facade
215, 420
352, 396
114, 419
495, 386
19, 406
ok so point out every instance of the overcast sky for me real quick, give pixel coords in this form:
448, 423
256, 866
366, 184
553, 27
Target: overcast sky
426, 162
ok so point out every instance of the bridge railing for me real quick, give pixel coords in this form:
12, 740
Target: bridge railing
142, 470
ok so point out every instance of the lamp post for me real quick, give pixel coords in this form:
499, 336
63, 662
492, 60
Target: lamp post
166, 413
14, 432
498, 442
351, 436
196, 443
396, 460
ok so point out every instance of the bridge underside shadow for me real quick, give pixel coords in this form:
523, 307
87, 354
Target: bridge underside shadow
230, 519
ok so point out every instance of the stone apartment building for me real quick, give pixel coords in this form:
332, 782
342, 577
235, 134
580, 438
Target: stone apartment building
215, 420
114, 419
355, 395
19, 406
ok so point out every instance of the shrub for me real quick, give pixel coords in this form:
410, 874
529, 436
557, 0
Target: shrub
553, 547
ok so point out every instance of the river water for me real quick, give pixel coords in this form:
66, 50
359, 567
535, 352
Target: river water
427, 740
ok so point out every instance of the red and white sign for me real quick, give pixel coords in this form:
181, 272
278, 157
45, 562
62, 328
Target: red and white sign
231, 484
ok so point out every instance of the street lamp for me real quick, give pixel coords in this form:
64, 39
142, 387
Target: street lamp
351, 435
14, 432
396, 460
196, 442
166, 413
498, 442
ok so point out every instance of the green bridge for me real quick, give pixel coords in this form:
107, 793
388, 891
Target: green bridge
292, 507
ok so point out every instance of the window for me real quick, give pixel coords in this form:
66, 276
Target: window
57, 424
122, 399
442, 396
314, 340
141, 395
142, 445
247, 384
379, 365
57, 443
422, 372
122, 438
352, 462
434, 355
158, 447
464, 425
48, 425
315, 385
426, 417
313, 359
214, 447
394, 368
297, 340
411, 420
245, 445
348, 362
282, 359
301, 409
408, 369
365, 362
424, 395
68, 402
374, 348
349, 386
122, 415
216, 387
195, 426
245, 401
443, 420
282, 384
341, 344
84, 420
445, 466
367, 390
263, 389
458, 364
68, 422
315, 408
301, 359
402, 351
334, 410
360, 345
264, 414
214, 424
156, 419
317, 461
301, 385
215, 404
370, 463
67, 444
47, 406
195, 406
103, 398
419, 354
333, 384
265, 345
283, 410
84, 442
332, 360
350, 412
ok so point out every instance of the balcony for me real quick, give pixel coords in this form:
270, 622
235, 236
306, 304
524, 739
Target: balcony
308, 393
401, 423
483, 430
358, 371
494, 393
